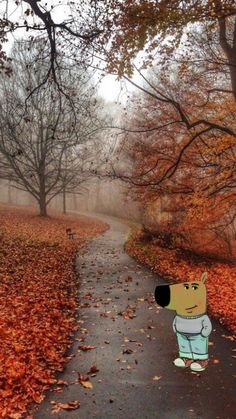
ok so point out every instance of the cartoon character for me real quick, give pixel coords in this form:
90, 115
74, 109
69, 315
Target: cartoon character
191, 323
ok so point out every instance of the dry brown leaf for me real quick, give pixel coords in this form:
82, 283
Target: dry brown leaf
66, 406
86, 384
157, 377
84, 381
128, 351
229, 337
93, 369
86, 347
62, 383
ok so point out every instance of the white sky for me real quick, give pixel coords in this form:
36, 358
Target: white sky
110, 89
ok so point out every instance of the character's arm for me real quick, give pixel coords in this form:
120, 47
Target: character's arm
174, 325
206, 326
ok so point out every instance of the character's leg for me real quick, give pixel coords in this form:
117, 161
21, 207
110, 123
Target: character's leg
185, 355
199, 345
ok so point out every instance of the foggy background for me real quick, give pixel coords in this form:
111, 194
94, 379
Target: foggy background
107, 197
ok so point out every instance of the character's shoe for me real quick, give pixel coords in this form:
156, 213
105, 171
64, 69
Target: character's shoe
199, 365
183, 362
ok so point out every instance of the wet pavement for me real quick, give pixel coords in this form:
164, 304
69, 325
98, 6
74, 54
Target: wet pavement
134, 347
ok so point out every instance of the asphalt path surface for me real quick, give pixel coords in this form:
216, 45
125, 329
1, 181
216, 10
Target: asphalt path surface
135, 347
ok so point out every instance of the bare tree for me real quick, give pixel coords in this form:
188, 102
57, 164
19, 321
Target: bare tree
44, 151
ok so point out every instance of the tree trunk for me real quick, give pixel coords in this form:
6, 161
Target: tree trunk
64, 200
42, 198
229, 50
9, 192
43, 206
233, 76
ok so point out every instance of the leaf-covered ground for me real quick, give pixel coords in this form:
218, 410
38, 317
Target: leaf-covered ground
38, 294
175, 266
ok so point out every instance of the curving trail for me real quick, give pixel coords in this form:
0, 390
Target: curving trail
135, 343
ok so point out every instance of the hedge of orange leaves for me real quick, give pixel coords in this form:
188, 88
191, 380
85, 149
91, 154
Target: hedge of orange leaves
171, 265
38, 294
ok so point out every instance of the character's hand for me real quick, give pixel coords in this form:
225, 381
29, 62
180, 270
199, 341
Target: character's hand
204, 333
207, 327
174, 328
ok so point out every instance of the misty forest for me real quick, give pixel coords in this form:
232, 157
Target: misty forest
117, 178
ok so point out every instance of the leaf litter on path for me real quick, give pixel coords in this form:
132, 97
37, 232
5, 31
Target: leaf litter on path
129, 313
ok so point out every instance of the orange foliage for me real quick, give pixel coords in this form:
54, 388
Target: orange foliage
199, 187
38, 294
171, 265
142, 25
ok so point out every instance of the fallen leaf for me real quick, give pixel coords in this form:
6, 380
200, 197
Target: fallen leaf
157, 377
66, 406
57, 390
86, 384
93, 369
86, 347
62, 383
104, 314
127, 351
128, 314
228, 337
84, 381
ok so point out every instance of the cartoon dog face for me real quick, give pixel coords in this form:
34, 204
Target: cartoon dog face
187, 298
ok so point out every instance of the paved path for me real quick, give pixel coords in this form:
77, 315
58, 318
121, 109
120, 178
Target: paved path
130, 352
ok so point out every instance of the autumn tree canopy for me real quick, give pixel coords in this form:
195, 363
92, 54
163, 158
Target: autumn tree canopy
113, 29
200, 195
181, 136
149, 25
